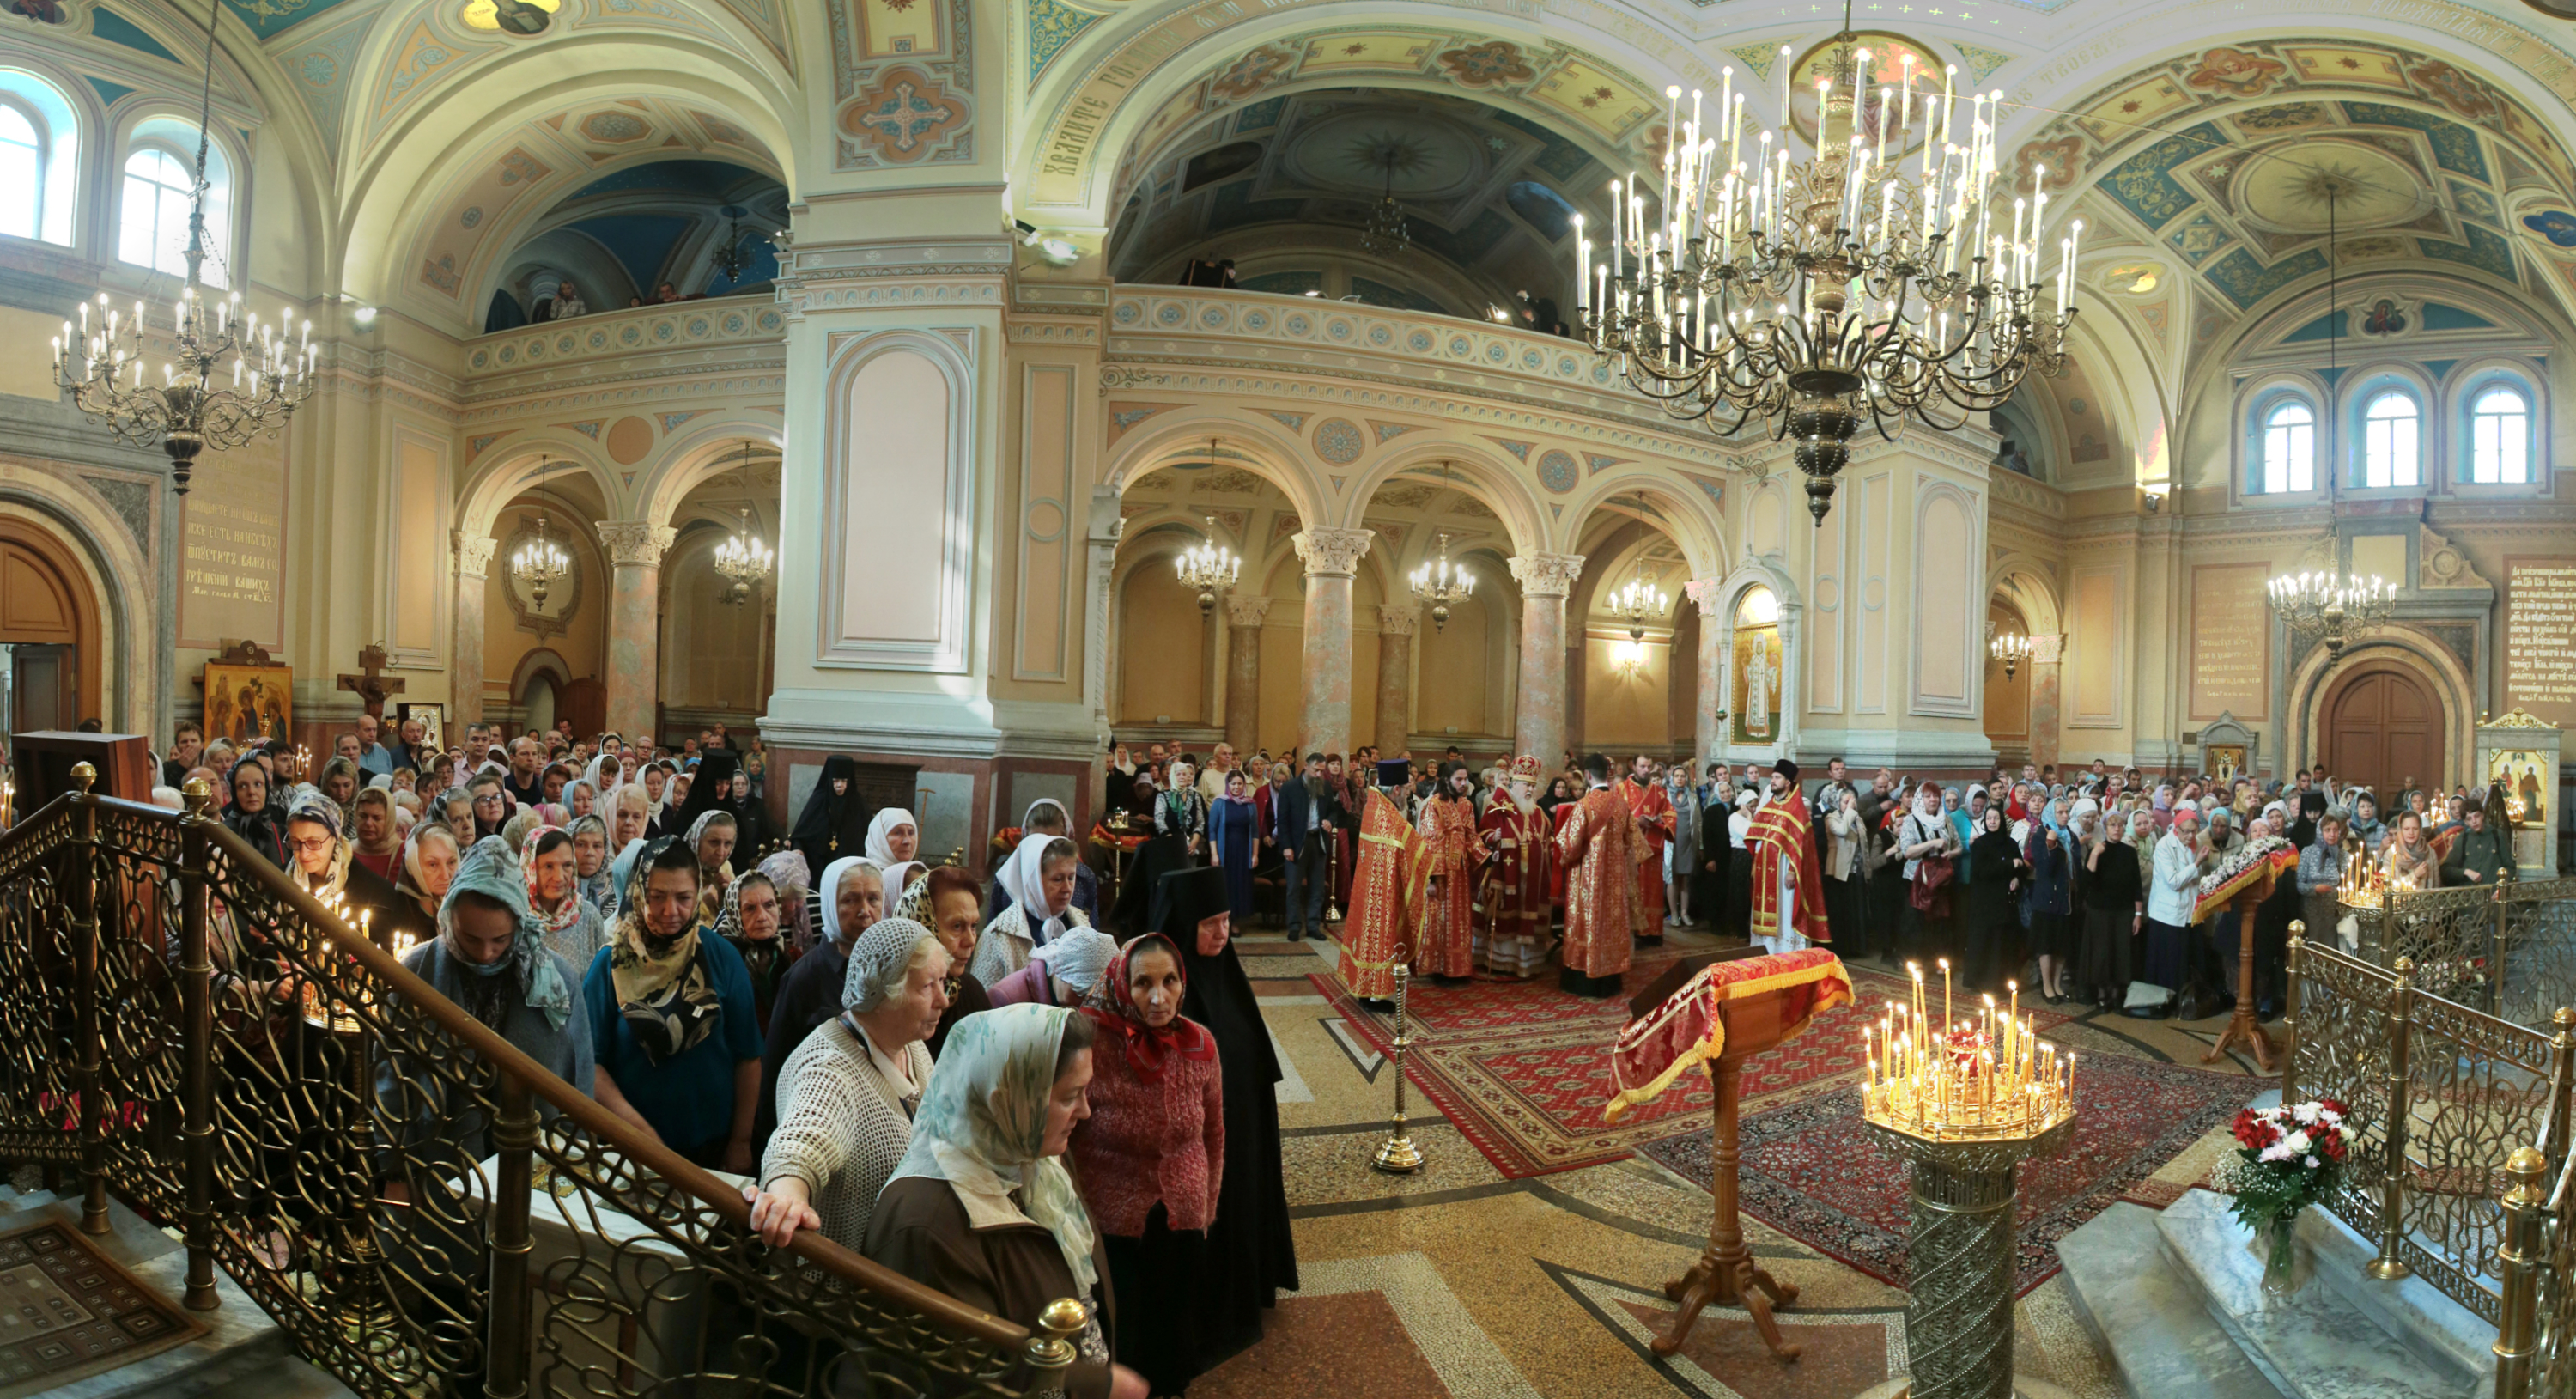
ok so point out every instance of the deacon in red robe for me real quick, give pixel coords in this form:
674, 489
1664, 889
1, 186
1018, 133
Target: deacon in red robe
1645, 800
1599, 847
1383, 920
1788, 897
1447, 945
1512, 888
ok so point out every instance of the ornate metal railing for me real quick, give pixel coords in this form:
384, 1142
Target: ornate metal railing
421, 1207
2508, 949
2443, 1095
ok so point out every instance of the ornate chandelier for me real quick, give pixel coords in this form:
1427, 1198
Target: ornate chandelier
1443, 583
743, 561
729, 259
1859, 287
101, 363
2336, 608
1385, 234
1639, 603
2010, 648
1208, 566
540, 563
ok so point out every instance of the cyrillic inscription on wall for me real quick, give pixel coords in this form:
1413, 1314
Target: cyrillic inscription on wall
2540, 637
232, 530
2231, 641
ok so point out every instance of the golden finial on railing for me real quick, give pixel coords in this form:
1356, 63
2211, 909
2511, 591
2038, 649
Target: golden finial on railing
82, 776
197, 794
1053, 1348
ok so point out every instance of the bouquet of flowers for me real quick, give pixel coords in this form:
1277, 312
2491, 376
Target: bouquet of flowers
2287, 1159
2240, 868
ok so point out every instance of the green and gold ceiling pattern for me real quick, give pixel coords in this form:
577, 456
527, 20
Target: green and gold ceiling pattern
2233, 160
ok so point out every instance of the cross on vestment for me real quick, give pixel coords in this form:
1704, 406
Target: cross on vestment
372, 686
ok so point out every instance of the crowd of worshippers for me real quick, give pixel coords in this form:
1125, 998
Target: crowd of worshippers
974, 1085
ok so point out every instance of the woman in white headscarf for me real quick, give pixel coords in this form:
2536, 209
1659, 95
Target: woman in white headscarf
1060, 973
1040, 876
848, 1093
982, 1207
894, 837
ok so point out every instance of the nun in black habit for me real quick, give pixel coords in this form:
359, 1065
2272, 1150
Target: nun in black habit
834, 822
1250, 1253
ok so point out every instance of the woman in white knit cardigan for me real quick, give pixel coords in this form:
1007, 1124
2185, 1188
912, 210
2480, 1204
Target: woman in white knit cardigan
847, 1095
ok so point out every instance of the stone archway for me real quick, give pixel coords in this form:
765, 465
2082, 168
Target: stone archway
2382, 727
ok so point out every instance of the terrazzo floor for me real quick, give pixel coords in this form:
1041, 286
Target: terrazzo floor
1460, 1282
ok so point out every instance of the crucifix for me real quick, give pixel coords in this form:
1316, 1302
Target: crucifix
372, 686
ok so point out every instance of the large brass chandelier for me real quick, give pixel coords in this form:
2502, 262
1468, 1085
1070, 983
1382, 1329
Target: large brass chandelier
2332, 606
1639, 602
1858, 287
540, 563
1442, 583
743, 561
1210, 568
101, 362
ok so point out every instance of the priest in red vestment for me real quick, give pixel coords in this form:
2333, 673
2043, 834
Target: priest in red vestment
1598, 847
1788, 899
1447, 945
1645, 800
1511, 891
1383, 920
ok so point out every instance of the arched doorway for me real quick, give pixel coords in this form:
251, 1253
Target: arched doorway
2383, 729
49, 633
2007, 712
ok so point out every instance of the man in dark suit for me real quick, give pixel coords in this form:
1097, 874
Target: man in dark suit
1296, 813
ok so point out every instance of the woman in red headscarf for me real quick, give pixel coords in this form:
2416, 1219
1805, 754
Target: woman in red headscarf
1152, 1155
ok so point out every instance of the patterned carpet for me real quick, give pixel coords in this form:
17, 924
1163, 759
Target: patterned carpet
1812, 1170
1523, 1069
67, 1312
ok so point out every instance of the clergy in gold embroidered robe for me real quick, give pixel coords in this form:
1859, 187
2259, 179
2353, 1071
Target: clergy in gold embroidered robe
1599, 850
1383, 918
1447, 944
1511, 890
1654, 812
1788, 900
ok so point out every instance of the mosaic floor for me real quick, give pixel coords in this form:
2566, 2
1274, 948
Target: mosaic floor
1469, 1282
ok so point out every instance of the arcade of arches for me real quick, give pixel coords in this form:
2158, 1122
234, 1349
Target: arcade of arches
981, 313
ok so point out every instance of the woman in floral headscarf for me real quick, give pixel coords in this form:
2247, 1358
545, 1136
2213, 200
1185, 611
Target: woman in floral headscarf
590, 856
1152, 1158
749, 920
573, 930
671, 1016
982, 1208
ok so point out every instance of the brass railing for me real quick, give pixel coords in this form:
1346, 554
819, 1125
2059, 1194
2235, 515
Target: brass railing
2508, 949
2442, 1094
419, 1205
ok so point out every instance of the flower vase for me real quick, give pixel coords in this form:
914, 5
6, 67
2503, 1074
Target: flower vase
2280, 1254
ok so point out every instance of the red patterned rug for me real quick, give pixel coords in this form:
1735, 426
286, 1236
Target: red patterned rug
1523, 1069
1812, 1170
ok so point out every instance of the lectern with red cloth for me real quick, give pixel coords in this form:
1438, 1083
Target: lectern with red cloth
1725, 1015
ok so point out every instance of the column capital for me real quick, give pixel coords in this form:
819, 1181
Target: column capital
639, 542
2047, 650
1245, 611
1704, 592
1546, 575
1399, 621
474, 553
1333, 551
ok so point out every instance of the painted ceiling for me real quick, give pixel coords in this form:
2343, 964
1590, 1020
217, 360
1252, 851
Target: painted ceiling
1483, 190
2229, 164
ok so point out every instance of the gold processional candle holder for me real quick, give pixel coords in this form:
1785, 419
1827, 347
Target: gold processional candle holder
1397, 1155
1963, 1101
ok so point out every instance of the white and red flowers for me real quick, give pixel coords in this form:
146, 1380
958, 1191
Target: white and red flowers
2288, 1158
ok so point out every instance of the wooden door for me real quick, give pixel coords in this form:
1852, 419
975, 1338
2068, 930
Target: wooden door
43, 687
2383, 727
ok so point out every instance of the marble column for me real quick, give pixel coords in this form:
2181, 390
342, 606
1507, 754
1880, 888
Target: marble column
635, 549
1545, 579
2045, 652
1243, 670
465, 668
1713, 634
1395, 628
1332, 557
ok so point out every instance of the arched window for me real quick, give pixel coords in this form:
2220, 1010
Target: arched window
2289, 449
39, 159
152, 210
2392, 441
22, 173
2500, 437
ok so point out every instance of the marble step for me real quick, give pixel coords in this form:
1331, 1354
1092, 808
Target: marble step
2148, 1317
2315, 1342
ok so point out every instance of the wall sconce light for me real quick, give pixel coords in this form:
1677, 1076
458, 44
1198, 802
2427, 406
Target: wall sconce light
2156, 498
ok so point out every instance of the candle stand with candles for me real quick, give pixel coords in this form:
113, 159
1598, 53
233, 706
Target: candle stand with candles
1963, 1100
